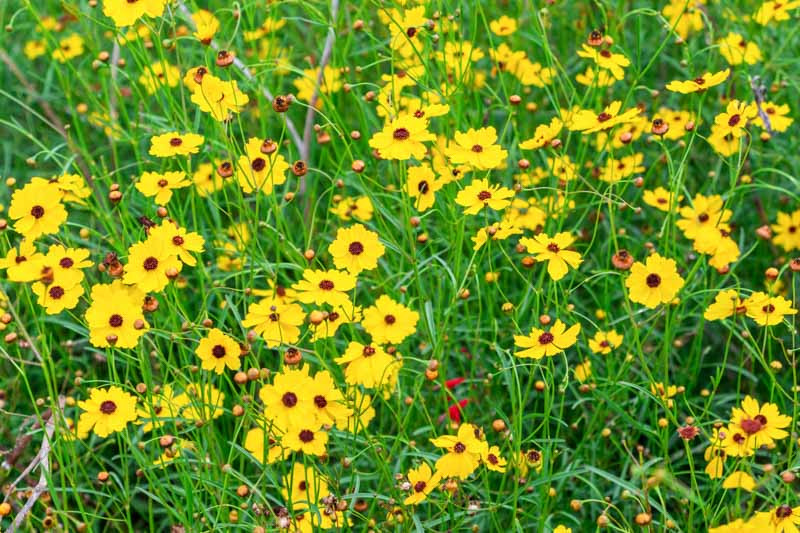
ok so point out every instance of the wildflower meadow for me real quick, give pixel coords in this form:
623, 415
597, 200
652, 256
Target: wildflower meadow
399, 265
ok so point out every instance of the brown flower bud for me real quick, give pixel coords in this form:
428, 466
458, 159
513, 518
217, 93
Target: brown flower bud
281, 103
358, 166
225, 169
225, 58
299, 168
595, 38
622, 260
269, 146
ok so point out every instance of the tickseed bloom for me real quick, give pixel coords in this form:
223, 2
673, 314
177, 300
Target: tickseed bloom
66, 264
480, 194
726, 304
159, 75
335, 318
503, 26
115, 315
786, 230
605, 59
777, 11
760, 424
356, 249
305, 438
277, 322
656, 281
160, 186
68, 48
107, 411
389, 322
402, 138
497, 232
287, 400
174, 143
325, 287
263, 447
768, 310
587, 121
553, 250
734, 119
421, 185
151, 264
477, 149
125, 12
423, 481
661, 199
257, 170
701, 83
736, 50
777, 115
605, 341
55, 297
37, 210
704, 213
540, 343
329, 404
206, 25
544, 135
217, 351
595, 78
178, 241
464, 452
24, 264
493, 460
206, 179
739, 480
368, 365
664, 393
781, 519
219, 98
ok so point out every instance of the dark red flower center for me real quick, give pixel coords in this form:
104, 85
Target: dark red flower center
603, 117
390, 319
175, 141
423, 187
115, 321
177, 240
419, 486
151, 263
355, 248
477, 148
753, 425
37, 211
459, 447
734, 120
218, 351
326, 285
546, 338
289, 399
320, 401
306, 435
553, 247
401, 134
108, 407
484, 195
56, 292
653, 280
368, 351
258, 164
66, 262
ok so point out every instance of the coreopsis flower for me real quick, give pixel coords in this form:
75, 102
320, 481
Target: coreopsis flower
701, 83
325, 287
107, 411
270, 25
715, 455
656, 281
218, 98
496, 232
359, 208
206, 179
734, 119
335, 318
178, 241
540, 343
736, 526
705, 212
24, 264
125, 12
544, 135
161, 408
217, 351
161, 185
480, 193
330, 83
786, 230
356, 249
66, 264
35, 49
503, 26
587, 121
305, 438
256, 170
783, 518
739, 480
55, 297
595, 78
736, 50
477, 149
717, 243
562, 167
369, 366
277, 322
151, 264
159, 75
760, 424
777, 11
402, 138
684, 16
304, 487
169, 144
725, 145
37, 210
554, 250
329, 405
493, 460
776, 114
287, 400
529, 459
605, 59
768, 310
726, 304
664, 393
661, 199
388, 321
115, 316
262, 446
68, 48
605, 341
618, 169
405, 28
421, 185
562, 529
422, 481
583, 371
464, 452
206, 25
205, 402
677, 120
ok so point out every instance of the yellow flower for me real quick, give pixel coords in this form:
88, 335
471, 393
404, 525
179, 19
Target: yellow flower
768, 310
701, 83
786, 230
684, 16
68, 48
739, 480
540, 343
389, 322
777, 11
369, 366
34, 49
174, 143
37, 210
325, 287
777, 115
614, 63
760, 424
587, 121
503, 26
277, 322
480, 194
302, 438
543, 135
705, 212
661, 199
736, 50
497, 232
734, 119
178, 241
125, 12
726, 304
330, 83
287, 399
422, 481
328, 403
605, 341
206, 25
421, 184
402, 138
216, 351
160, 186
555, 251
217, 97
464, 452
655, 282
356, 249
25, 264
258, 170
493, 460
477, 149
107, 411
592, 78
151, 264
159, 75
206, 179
359, 208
